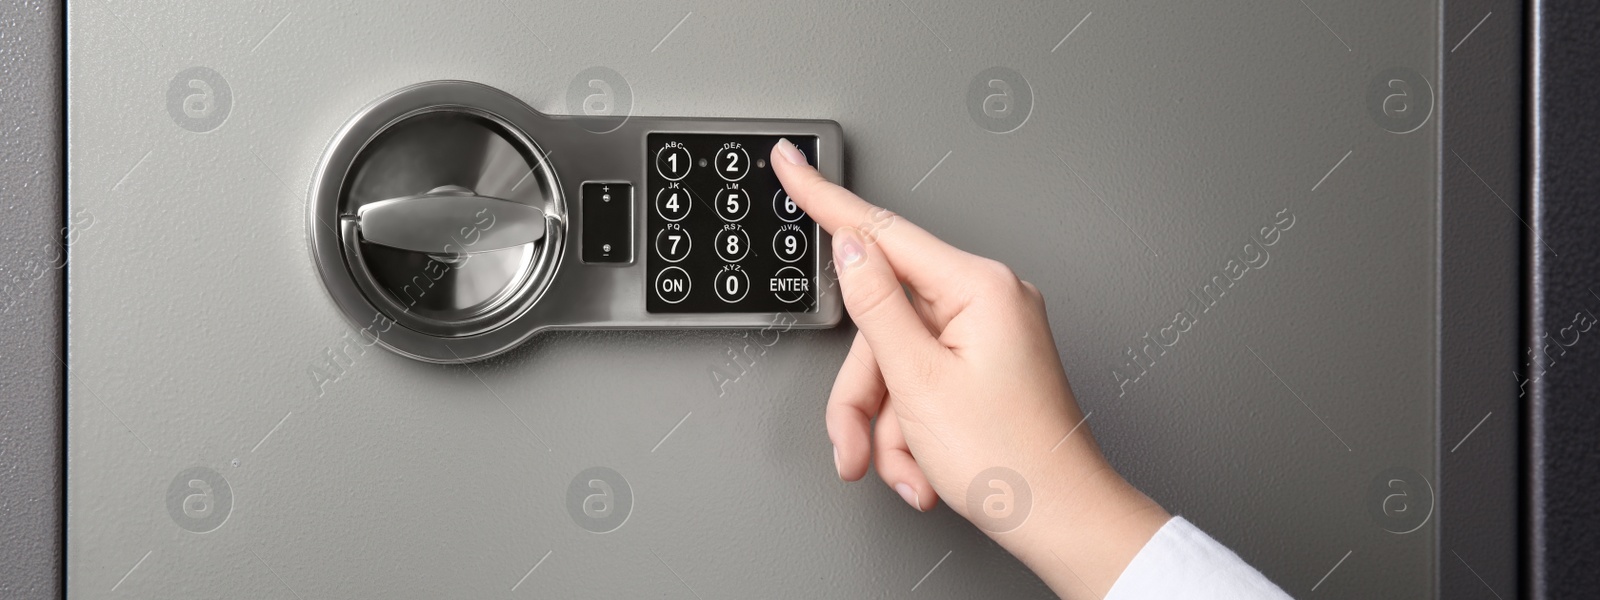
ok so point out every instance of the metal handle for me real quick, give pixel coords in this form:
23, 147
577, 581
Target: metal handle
450, 220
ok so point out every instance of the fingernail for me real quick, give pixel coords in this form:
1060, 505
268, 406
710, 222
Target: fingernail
791, 153
909, 495
847, 249
836, 469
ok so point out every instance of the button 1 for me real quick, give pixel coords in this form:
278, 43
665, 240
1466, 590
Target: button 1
732, 204
673, 204
789, 285
731, 284
672, 161
732, 163
672, 243
732, 243
672, 285
789, 244
785, 207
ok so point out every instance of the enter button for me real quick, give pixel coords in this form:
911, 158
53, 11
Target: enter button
789, 284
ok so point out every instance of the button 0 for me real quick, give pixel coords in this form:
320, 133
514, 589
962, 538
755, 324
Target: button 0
731, 284
789, 244
789, 285
672, 285
672, 161
732, 163
672, 243
732, 243
673, 204
785, 208
732, 204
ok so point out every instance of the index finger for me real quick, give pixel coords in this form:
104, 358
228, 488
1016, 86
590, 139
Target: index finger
918, 257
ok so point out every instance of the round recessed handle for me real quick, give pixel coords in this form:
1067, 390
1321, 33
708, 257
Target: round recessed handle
450, 220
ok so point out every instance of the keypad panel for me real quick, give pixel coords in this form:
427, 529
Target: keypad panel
724, 237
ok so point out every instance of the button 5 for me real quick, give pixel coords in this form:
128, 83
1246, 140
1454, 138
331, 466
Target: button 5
732, 204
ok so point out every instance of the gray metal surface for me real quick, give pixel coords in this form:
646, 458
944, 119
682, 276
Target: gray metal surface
32, 254
1147, 144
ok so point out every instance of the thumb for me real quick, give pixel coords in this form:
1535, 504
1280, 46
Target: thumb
904, 348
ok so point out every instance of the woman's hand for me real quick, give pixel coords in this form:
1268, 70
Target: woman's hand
963, 377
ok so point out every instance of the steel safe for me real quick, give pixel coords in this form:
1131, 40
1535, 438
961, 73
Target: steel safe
242, 422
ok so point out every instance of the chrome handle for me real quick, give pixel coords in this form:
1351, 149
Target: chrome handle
450, 220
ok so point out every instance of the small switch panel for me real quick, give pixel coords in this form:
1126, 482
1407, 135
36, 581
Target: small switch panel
607, 222
724, 236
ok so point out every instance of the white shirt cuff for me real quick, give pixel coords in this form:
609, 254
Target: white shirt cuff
1181, 561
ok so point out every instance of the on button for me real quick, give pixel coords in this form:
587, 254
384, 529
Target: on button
672, 285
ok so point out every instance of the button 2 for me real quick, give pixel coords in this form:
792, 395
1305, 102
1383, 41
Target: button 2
672, 161
731, 284
785, 207
732, 204
732, 163
672, 285
732, 243
673, 243
790, 244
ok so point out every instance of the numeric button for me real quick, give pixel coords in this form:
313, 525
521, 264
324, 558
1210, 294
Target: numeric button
672, 285
732, 243
672, 161
732, 204
789, 245
732, 162
731, 284
785, 208
673, 204
673, 243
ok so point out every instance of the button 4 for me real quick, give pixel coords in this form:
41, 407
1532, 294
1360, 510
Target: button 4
673, 203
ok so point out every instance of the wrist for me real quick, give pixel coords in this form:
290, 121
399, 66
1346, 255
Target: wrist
1084, 527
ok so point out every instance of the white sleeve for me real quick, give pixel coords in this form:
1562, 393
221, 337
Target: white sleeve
1183, 562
